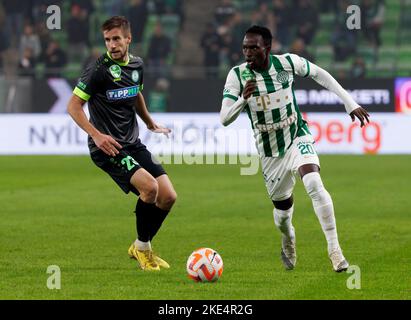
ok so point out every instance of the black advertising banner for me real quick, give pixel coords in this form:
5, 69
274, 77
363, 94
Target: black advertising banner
204, 95
375, 95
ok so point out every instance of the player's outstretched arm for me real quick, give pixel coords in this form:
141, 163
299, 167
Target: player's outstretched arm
141, 109
326, 80
305, 68
104, 142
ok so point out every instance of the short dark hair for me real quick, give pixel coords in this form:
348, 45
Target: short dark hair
117, 22
262, 31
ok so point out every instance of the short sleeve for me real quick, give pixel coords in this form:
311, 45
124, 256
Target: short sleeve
85, 87
232, 87
301, 65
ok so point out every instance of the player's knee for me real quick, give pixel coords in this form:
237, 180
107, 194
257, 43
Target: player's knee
149, 192
315, 187
167, 200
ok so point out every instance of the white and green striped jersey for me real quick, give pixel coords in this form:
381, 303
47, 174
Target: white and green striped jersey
273, 111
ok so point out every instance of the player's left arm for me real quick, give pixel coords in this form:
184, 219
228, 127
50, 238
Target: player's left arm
305, 68
142, 111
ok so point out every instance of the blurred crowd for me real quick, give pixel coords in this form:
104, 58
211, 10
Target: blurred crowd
27, 42
294, 25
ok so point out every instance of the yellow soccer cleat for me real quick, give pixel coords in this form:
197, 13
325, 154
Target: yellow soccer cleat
130, 251
162, 263
144, 257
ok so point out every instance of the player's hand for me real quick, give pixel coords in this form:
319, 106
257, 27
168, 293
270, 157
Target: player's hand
107, 144
249, 88
159, 129
361, 114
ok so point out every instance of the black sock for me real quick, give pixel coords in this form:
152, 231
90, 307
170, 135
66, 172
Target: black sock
157, 218
144, 212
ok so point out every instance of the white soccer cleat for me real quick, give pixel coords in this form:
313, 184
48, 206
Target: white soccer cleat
338, 261
288, 254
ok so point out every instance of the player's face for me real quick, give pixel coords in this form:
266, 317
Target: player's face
255, 52
117, 43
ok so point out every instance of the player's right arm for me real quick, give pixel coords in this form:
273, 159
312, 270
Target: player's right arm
233, 102
81, 94
104, 142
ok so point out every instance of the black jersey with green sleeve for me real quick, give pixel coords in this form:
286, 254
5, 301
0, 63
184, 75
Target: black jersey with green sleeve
111, 90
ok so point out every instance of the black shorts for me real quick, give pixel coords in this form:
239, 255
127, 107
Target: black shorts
122, 167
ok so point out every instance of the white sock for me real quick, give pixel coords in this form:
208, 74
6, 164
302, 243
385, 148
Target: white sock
142, 246
323, 207
282, 219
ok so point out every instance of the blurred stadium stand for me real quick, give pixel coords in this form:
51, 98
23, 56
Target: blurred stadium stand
184, 23
205, 40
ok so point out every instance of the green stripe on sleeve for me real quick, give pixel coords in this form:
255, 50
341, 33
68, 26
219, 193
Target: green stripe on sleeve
230, 96
308, 68
279, 134
237, 71
81, 94
290, 61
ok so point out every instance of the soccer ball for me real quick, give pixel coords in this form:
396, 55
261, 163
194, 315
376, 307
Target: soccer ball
204, 265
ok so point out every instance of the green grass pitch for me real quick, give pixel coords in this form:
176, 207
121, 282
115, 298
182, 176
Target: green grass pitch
58, 210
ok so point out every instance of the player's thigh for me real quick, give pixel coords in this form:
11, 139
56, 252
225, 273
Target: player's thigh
120, 168
303, 153
146, 160
145, 183
279, 179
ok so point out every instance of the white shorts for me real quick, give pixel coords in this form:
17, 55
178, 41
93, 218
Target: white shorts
279, 173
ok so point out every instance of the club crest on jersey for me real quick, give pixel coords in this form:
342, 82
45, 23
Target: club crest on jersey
115, 71
282, 76
247, 75
135, 76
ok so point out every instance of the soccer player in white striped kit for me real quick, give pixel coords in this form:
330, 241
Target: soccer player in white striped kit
263, 86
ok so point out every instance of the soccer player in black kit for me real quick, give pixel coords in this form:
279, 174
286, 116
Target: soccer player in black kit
112, 87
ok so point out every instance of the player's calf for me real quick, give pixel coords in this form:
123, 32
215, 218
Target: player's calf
282, 219
323, 207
